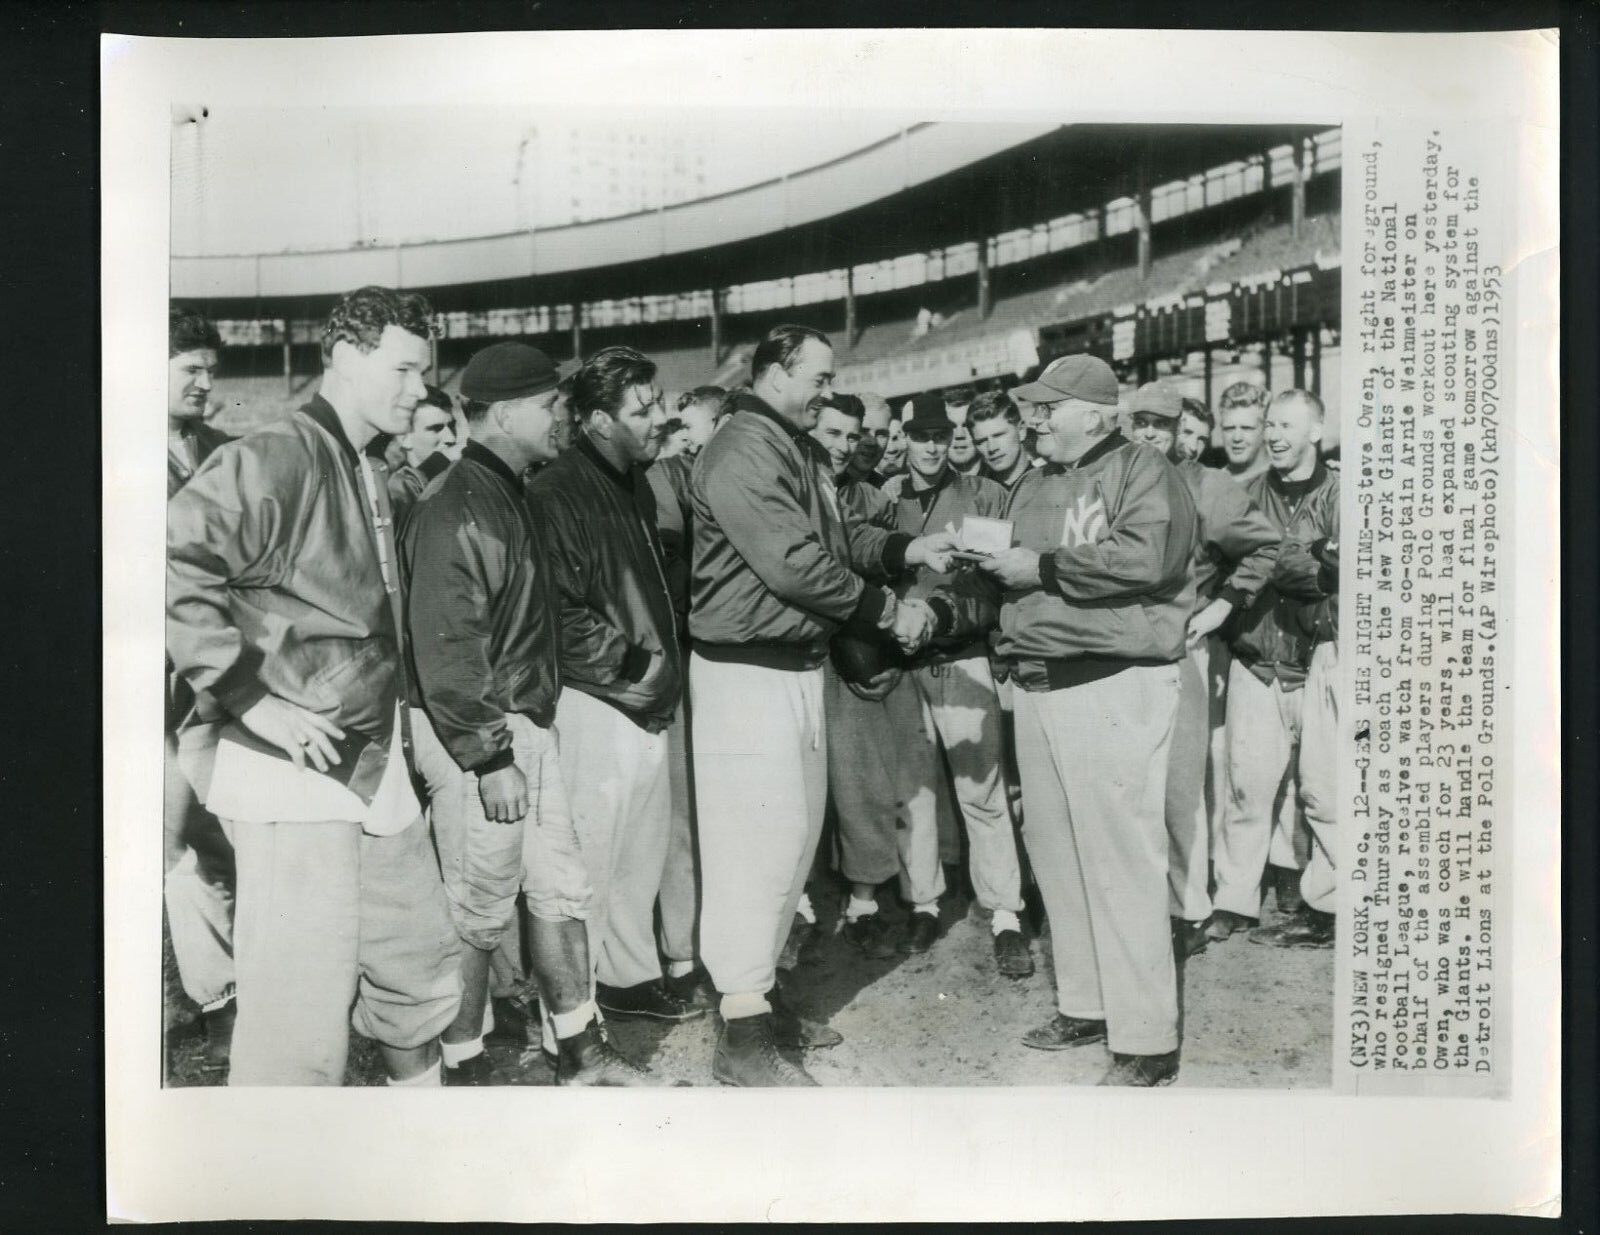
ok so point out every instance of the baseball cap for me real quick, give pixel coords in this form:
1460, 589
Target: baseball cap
1158, 399
928, 415
508, 370
1079, 376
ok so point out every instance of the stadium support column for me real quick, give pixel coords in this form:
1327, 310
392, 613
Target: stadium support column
985, 292
577, 331
1300, 357
850, 307
716, 327
433, 358
1208, 374
1316, 361
1297, 190
1141, 214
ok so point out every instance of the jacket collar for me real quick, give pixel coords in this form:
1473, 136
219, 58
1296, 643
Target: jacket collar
746, 401
947, 475
321, 413
623, 480
1296, 489
484, 457
1098, 451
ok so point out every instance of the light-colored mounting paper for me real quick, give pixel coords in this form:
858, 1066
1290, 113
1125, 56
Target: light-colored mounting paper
1421, 115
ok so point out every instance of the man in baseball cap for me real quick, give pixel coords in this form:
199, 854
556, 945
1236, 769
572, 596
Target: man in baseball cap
1153, 420
484, 613
1079, 376
1092, 604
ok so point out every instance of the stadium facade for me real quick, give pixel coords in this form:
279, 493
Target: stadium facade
948, 255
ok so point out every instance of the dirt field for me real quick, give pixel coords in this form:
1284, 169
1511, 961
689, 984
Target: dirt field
1254, 1017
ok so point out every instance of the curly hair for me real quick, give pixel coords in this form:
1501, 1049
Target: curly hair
1243, 394
361, 316
189, 331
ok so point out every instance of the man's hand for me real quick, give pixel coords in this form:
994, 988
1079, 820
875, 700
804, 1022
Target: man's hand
1014, 568
302, 735
933, 551
877, 687
913, 625
1207, 621
504, 794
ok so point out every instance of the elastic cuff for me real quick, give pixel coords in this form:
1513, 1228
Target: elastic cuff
500, 759
635, 664
239, 696
570, 1024
454, 1054
426, 1079
894, 552
870, 606
750, 1003
1047, 573
944, 615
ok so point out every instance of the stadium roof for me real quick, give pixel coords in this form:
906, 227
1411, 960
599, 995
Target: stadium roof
933, 184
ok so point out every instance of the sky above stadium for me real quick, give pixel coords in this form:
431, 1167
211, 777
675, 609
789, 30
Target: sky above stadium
272, 181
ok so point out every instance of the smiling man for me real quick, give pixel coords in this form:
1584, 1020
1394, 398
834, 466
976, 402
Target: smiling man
282, 616
777, 571
1093, 604
893, 461
874, 441
1262, 830
622, 666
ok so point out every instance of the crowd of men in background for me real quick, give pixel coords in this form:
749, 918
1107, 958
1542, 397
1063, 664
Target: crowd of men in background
556, 690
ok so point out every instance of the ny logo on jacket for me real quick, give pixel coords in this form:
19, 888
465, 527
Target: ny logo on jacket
1084, 524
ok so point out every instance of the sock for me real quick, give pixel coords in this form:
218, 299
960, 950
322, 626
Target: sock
734, 1007
805, 910
931, 909
859, 909
679, 969
1005, 920
488, 1016
426, 1078
569, 1024
457, 1053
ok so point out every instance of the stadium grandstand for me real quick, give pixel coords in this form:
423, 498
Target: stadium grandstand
948, 255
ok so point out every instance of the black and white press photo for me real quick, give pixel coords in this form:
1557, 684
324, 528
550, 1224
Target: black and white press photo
674, 604
895, 589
